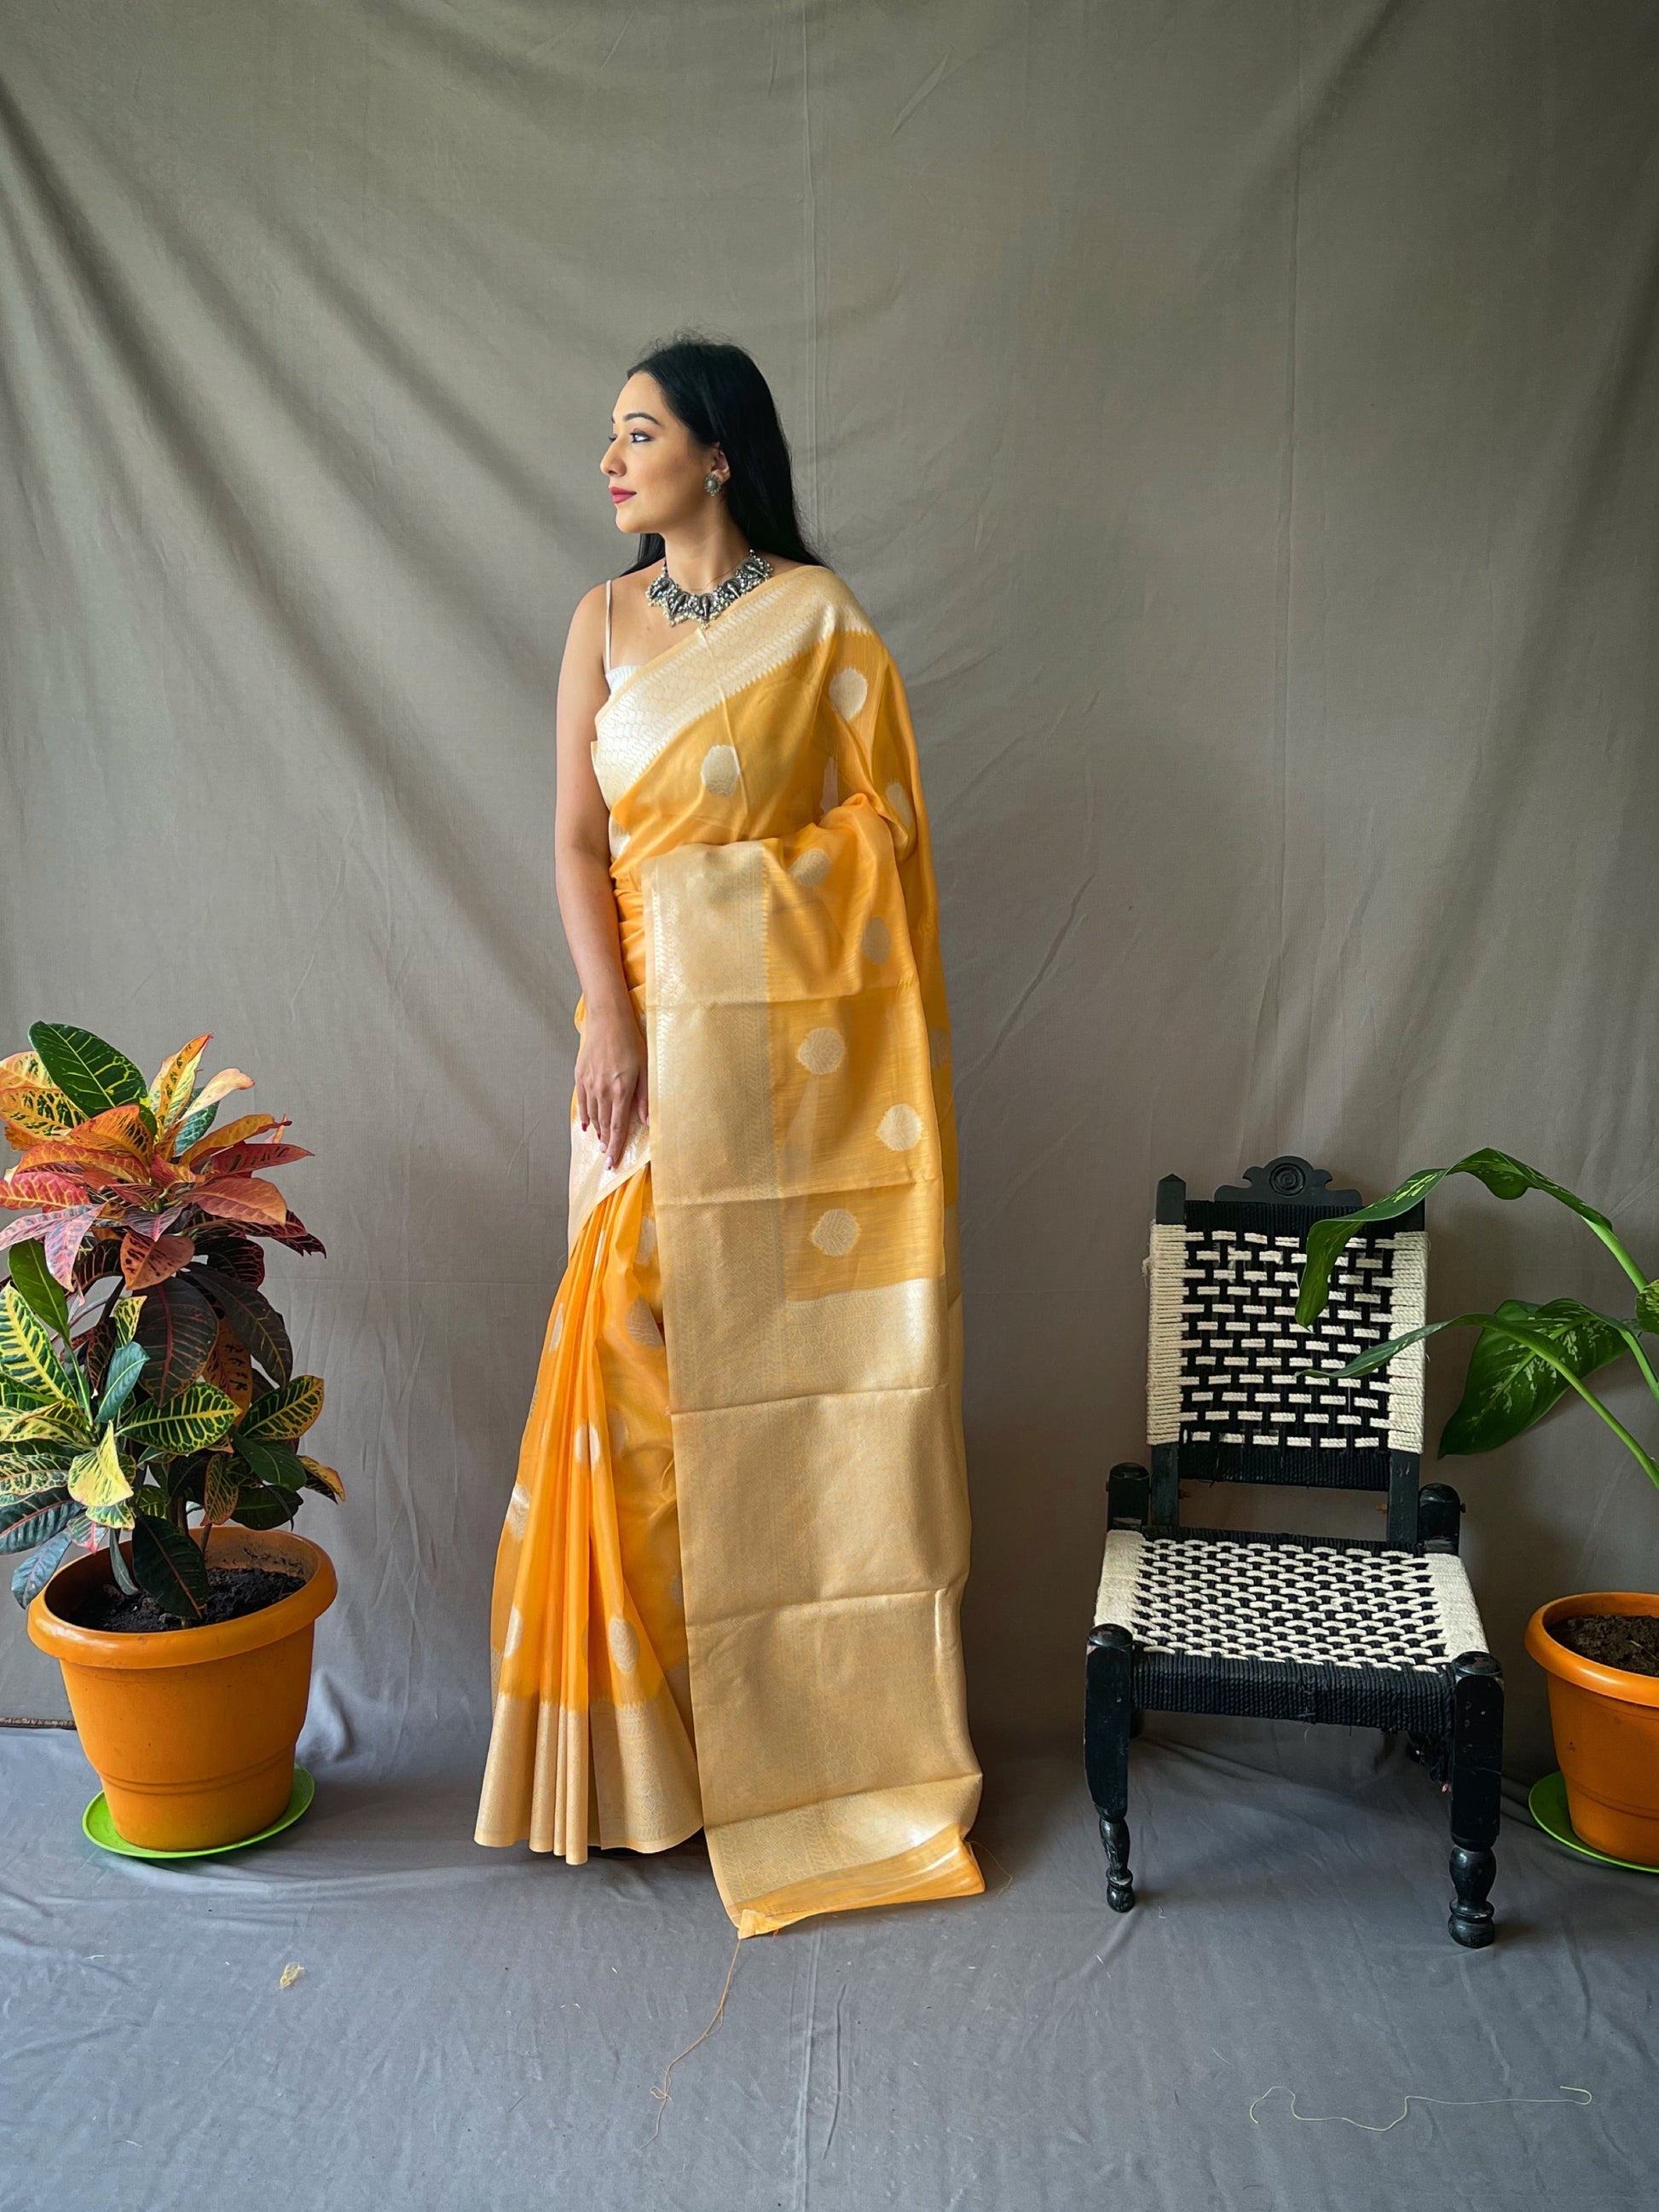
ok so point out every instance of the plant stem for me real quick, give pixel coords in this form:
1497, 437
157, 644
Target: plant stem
1622, 1257
1634, 1343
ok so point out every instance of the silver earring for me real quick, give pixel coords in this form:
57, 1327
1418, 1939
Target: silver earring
711, 484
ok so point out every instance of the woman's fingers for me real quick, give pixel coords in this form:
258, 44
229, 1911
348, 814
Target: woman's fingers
608, 1097
621, 1100
602, 1119
602, 1116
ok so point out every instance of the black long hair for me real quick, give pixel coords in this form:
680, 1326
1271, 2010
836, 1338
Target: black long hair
723, 400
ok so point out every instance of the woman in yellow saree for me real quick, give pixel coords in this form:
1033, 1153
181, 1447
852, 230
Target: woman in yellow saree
727, 1587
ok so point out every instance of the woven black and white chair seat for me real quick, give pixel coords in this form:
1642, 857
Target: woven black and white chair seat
1290, 1628
1276, 1627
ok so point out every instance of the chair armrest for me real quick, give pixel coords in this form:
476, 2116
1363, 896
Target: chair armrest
1438, 1510
1128, 1494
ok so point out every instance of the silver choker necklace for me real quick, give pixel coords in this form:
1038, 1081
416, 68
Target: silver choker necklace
681, 605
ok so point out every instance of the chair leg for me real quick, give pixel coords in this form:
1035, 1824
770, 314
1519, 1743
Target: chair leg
1109, 1713
1477, 1770
1432, 1754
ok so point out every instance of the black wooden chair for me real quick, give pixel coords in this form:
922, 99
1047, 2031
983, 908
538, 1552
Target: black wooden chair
1276, 1626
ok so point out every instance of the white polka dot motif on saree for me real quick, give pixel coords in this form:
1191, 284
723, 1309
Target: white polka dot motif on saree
836, 1232
821, 1051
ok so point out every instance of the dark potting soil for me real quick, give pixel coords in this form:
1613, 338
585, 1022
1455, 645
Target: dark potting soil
232, 1591
1630, 1640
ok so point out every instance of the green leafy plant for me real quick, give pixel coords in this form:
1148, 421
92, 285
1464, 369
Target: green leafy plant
1527, 1357
143, 1372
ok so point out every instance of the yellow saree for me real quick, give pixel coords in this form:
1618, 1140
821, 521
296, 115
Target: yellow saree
727, 1587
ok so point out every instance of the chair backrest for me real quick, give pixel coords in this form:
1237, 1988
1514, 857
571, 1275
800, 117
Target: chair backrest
1228, 1397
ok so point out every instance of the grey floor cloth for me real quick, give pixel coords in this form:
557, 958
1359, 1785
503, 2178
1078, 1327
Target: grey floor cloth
482, 2028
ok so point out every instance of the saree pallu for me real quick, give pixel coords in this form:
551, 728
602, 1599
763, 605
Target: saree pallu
728, 1588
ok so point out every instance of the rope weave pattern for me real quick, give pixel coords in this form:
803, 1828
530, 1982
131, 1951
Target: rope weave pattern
1287, 1600
1228, 1363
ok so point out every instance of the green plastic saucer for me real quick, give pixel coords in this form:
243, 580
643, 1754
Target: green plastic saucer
96, 1823
1547, 1803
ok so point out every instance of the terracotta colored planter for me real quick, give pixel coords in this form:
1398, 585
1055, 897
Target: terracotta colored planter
1606, 1722
193, 1731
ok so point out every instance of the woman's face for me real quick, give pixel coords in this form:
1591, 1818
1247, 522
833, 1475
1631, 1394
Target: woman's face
654, 468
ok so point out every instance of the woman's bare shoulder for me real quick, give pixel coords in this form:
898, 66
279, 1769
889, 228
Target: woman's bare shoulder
588, 618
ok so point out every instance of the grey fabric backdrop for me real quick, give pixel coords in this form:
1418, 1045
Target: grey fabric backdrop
1239, 420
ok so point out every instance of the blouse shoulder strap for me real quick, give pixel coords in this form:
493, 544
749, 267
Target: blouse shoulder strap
607, 625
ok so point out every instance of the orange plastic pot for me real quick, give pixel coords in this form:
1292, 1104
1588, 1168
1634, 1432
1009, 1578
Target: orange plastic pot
1605, 1723
193, 1731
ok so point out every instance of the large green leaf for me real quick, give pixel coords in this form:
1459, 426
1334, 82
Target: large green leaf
1502, 1176
218, 1490
85, 1069
228, 1252
254, 1321
278, 1464
30, 1462
285, 1413
260, 1506
196, 1418
118, 1562
18, 1398
54, 1425
170, 1568
1534, 1340
39, 1286
182, 1477
26, 1353
176, 1326
1509, 1386
35, 1571
25, 1466
119, 1377
27, 1522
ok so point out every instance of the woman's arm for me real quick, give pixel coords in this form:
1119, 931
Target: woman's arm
610, 1065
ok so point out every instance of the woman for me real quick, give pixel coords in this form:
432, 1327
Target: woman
726, 1591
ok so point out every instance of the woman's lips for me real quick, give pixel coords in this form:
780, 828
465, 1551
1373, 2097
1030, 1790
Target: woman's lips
619, 496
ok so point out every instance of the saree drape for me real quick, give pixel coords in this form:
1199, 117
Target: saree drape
728, 1587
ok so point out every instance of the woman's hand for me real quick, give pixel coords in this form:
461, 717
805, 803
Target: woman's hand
611, 1073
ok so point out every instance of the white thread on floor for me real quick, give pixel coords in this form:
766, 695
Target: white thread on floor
661, 2094
1578, 2097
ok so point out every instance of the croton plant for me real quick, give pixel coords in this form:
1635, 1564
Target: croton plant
143, 1372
